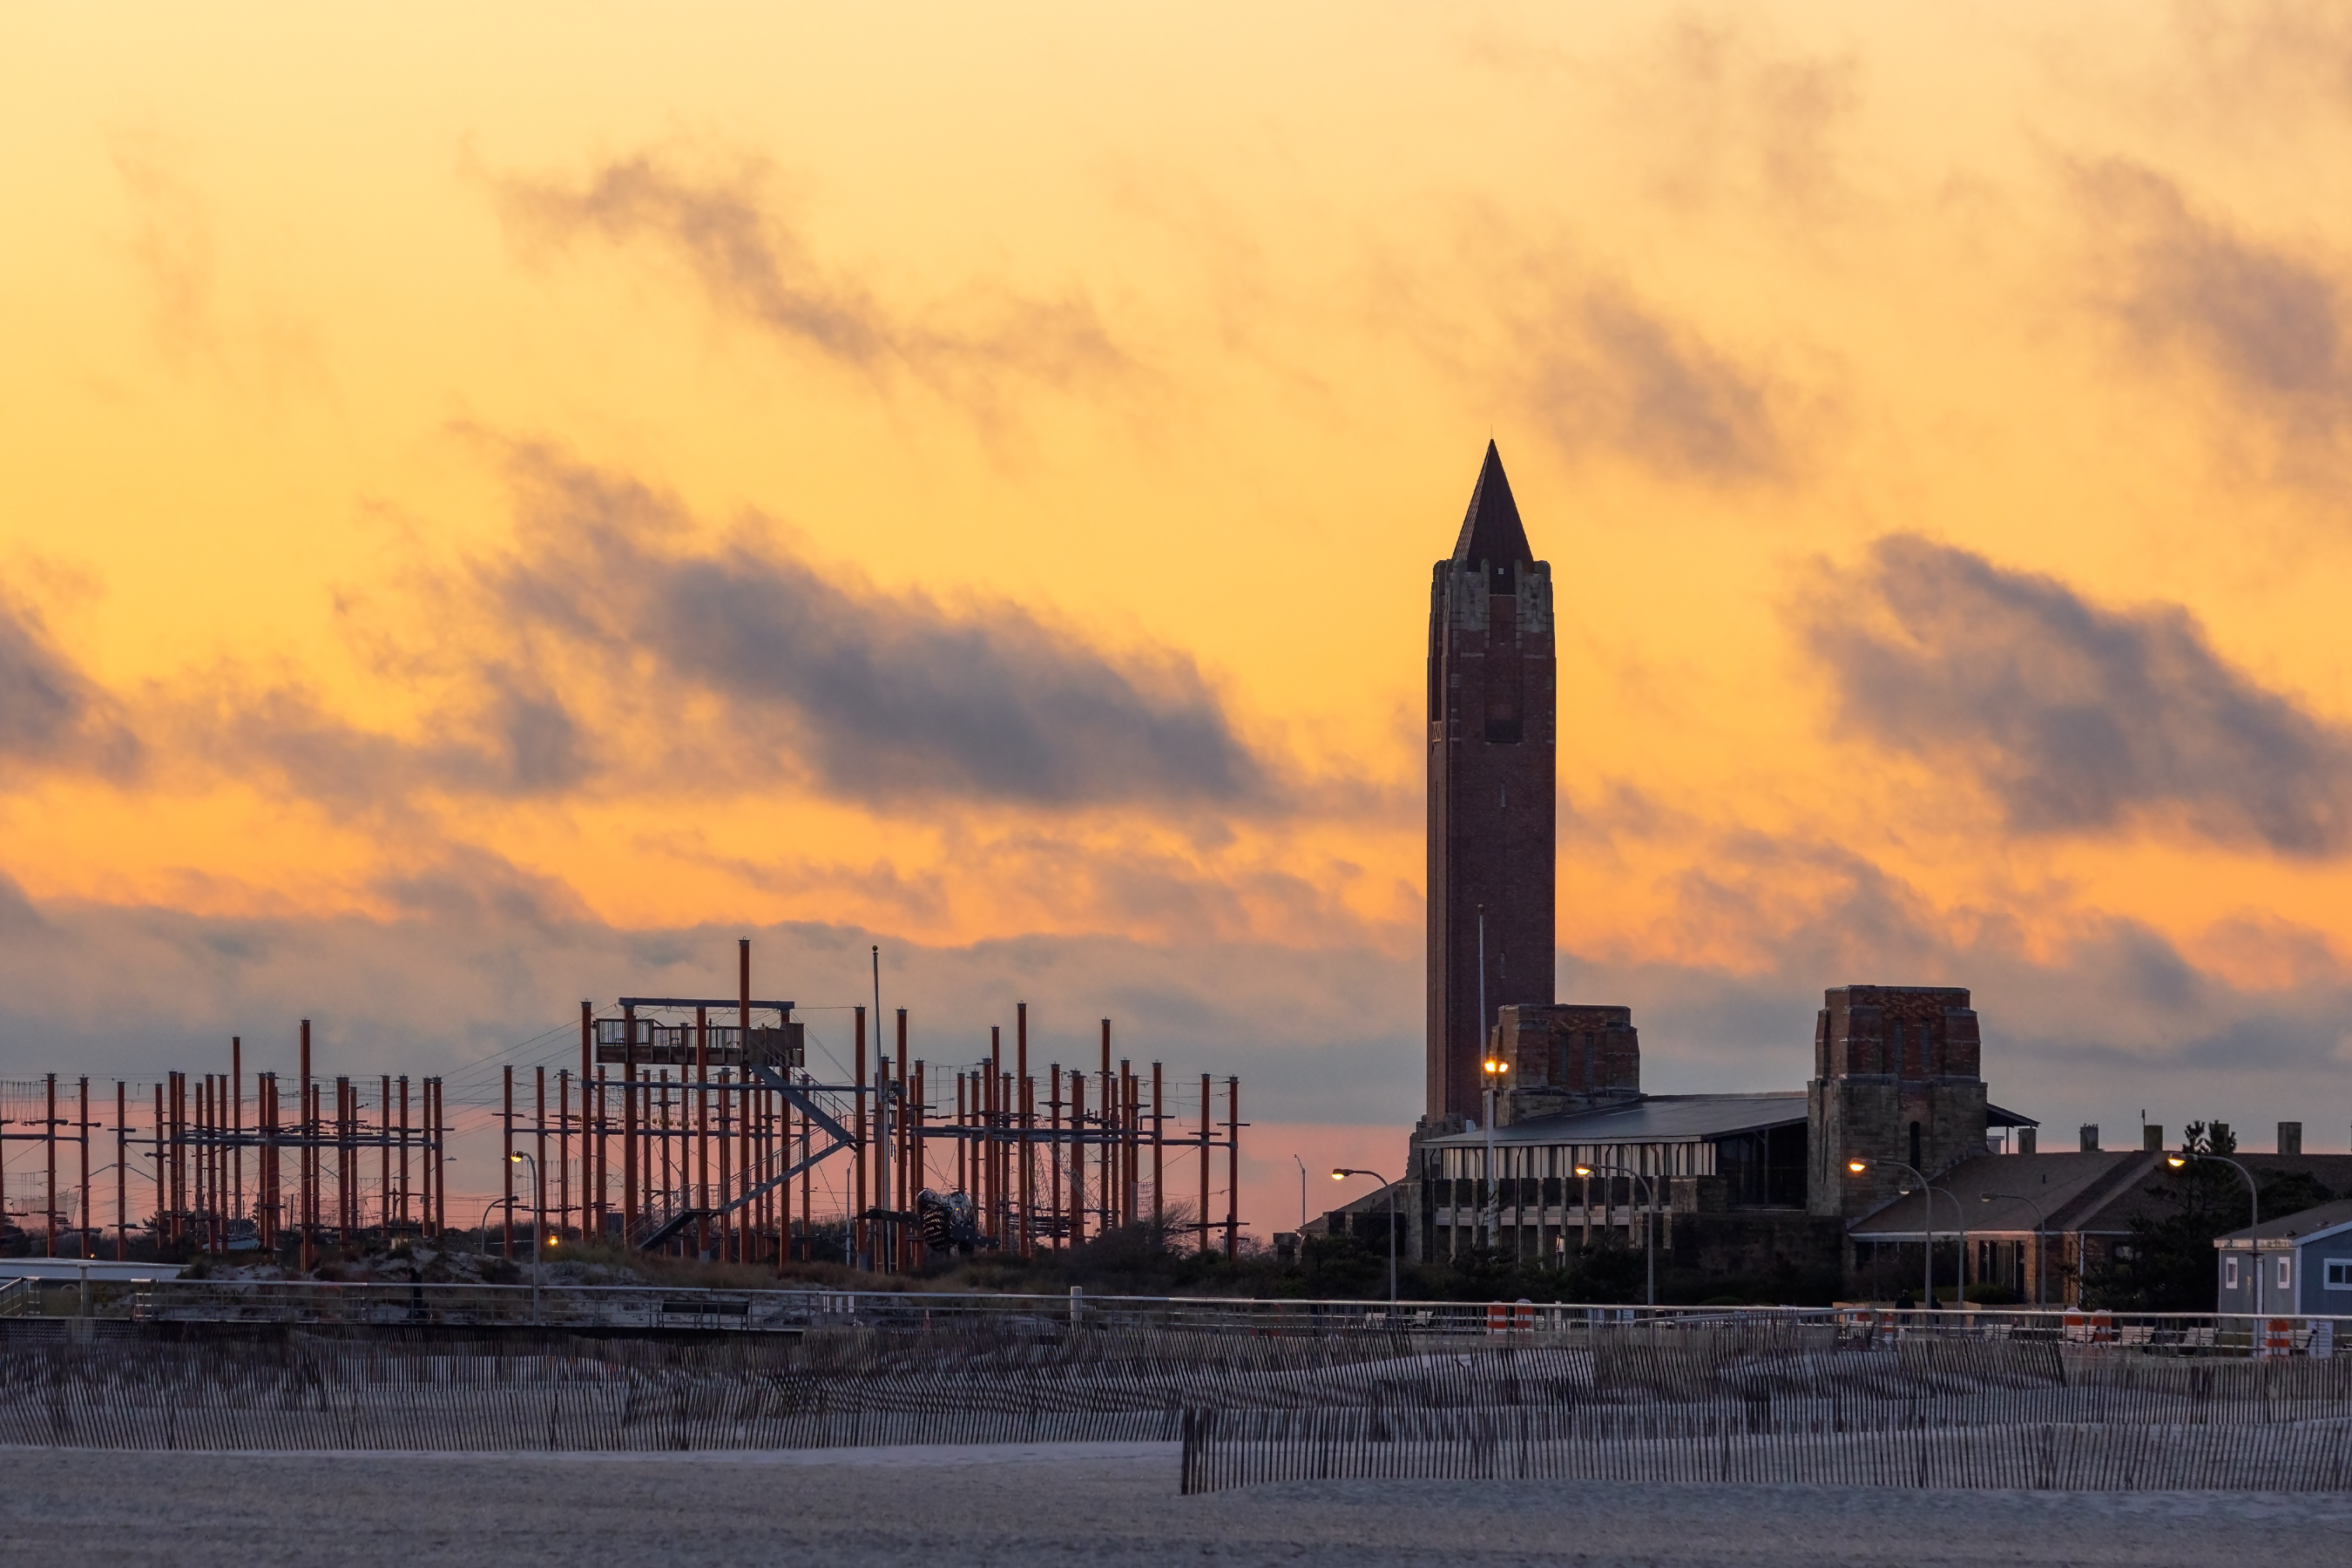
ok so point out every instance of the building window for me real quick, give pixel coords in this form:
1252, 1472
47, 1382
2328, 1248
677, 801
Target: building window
2230, 1272
2340, 1273
2286, 1276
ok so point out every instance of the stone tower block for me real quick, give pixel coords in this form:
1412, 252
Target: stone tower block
1565, 1057
1896, 1078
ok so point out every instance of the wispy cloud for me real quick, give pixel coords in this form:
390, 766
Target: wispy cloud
1607, 372
1726, 109
2266, 59
2269, 323
756, 264
494, 733
2078, 718
171, 246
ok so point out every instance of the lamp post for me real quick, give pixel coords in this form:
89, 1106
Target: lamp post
1487, 1058
1649, 1218
2040, 1244
1493, 1211
484, 1227
1959, 1287
539, 1225
1341, 1175
2254, 1210
1302, 1192
1960, 1265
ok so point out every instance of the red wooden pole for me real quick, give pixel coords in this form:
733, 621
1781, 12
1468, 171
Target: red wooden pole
121, 1171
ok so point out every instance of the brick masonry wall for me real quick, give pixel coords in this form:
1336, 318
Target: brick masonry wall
1493, 832
1884, 1058
1565, 1057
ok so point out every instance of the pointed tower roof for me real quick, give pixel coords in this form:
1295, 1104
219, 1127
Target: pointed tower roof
1490, 528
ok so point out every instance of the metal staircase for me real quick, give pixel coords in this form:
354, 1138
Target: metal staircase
671, 1213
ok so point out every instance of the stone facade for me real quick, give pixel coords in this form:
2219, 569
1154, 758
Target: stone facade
1896, 1078
1493, 721
1564, 1056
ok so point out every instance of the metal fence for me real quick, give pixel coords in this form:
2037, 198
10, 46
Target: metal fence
594, 1306
1783, 1398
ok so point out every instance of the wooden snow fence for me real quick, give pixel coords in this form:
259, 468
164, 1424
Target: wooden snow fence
1767, 1401
1224, 1448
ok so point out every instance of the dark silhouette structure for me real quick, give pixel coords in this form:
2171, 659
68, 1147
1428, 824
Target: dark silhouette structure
1493, 771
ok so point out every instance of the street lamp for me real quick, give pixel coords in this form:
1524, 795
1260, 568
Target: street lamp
539, 1224
1649, 1218
2041, 1242
1341, 1175
1959, 1286
2253, 1206
1493, 1067
484, 1227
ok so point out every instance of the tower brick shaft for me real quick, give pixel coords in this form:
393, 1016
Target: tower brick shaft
1493, 772
1897, 1080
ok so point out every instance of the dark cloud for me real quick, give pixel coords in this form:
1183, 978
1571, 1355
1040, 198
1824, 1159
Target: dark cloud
2078, 718
2091, 1017
50, 712
616, 649
2273, 326
758, 266
468, 886
484, 962
1606, 372
499, 735
480, 957
18, 918
879, 695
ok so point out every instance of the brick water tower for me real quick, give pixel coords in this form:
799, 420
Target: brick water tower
1493, 772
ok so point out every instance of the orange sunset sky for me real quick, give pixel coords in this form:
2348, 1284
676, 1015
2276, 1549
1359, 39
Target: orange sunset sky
494, 505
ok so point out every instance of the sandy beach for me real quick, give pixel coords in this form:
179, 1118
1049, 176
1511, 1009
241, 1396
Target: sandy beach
1115, 1504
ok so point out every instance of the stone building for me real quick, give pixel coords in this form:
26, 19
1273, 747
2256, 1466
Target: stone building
1564, 1056
1523, 1092
1897, 1079
1897, 1083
